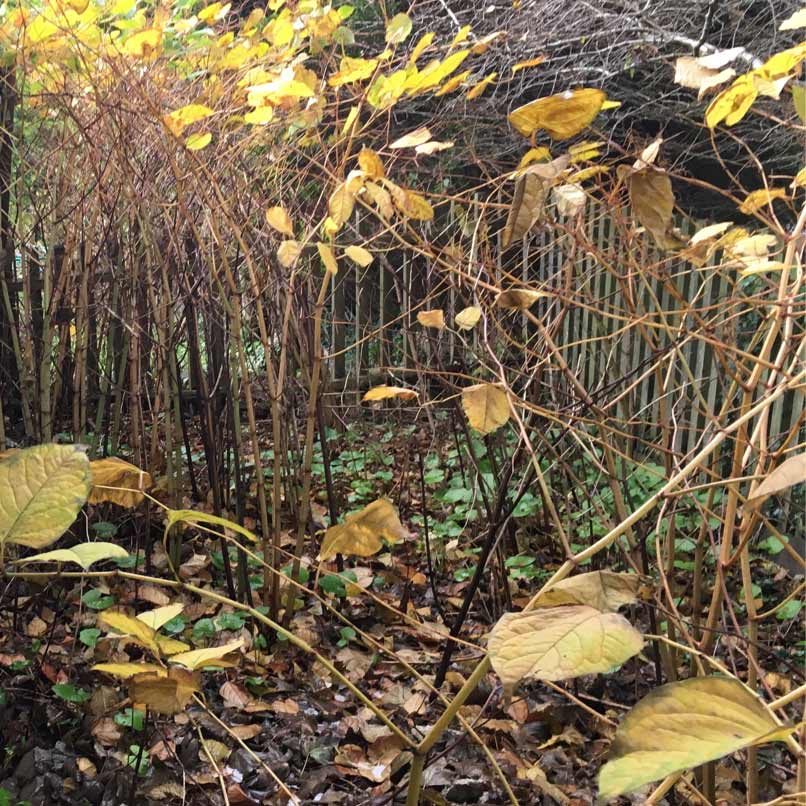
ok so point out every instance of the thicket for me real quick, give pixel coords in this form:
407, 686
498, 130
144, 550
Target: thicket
183, 191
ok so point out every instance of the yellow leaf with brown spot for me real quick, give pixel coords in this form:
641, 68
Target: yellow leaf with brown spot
519, 299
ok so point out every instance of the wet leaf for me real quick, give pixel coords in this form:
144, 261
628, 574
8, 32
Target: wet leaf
682, 725
41, 491
486, 406
361, 534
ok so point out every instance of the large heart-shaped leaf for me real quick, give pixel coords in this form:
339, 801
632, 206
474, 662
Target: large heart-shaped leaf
41, 491
682, 725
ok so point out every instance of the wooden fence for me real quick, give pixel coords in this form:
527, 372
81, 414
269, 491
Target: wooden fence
621, 304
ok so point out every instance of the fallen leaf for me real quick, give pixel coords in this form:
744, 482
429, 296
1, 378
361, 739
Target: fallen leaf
361, 533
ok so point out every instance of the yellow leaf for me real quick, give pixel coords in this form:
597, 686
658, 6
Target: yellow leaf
385, 392
483, 45
278, 218
761, 198
794, 21
486, 406
328, 258
467, 318
415, 138
41, 491
84, 554
539, 154
198, 141
370, 163
198, 658
518, 299
709, 232
363, 257
260, 116
288, 252
800, 178
161, 615
143, 44
351, 70
452, 84
610, 105
215, 11
562, 116
799, 101
461, 36
170, 646
559, 643
212, 749
603, 590
412, 205
682, 725
114, 472
178, 120
528, 63
381, 199
423, 43
341, 203
126, 670
478, 88
193, 517
434, 318
398, 29
164, 694
132, 627
732, 103
787, 474
362, 532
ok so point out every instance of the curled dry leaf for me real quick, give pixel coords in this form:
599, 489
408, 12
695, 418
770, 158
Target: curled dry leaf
603, 590
114, 472
41, 491
518, 299
562, 115
361, 533
787, 474
412, 139
486, 406
529, 199
558, 643
682, 725
467, 318
164, 693
652, 201
385, 392
570, 199
434, 318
